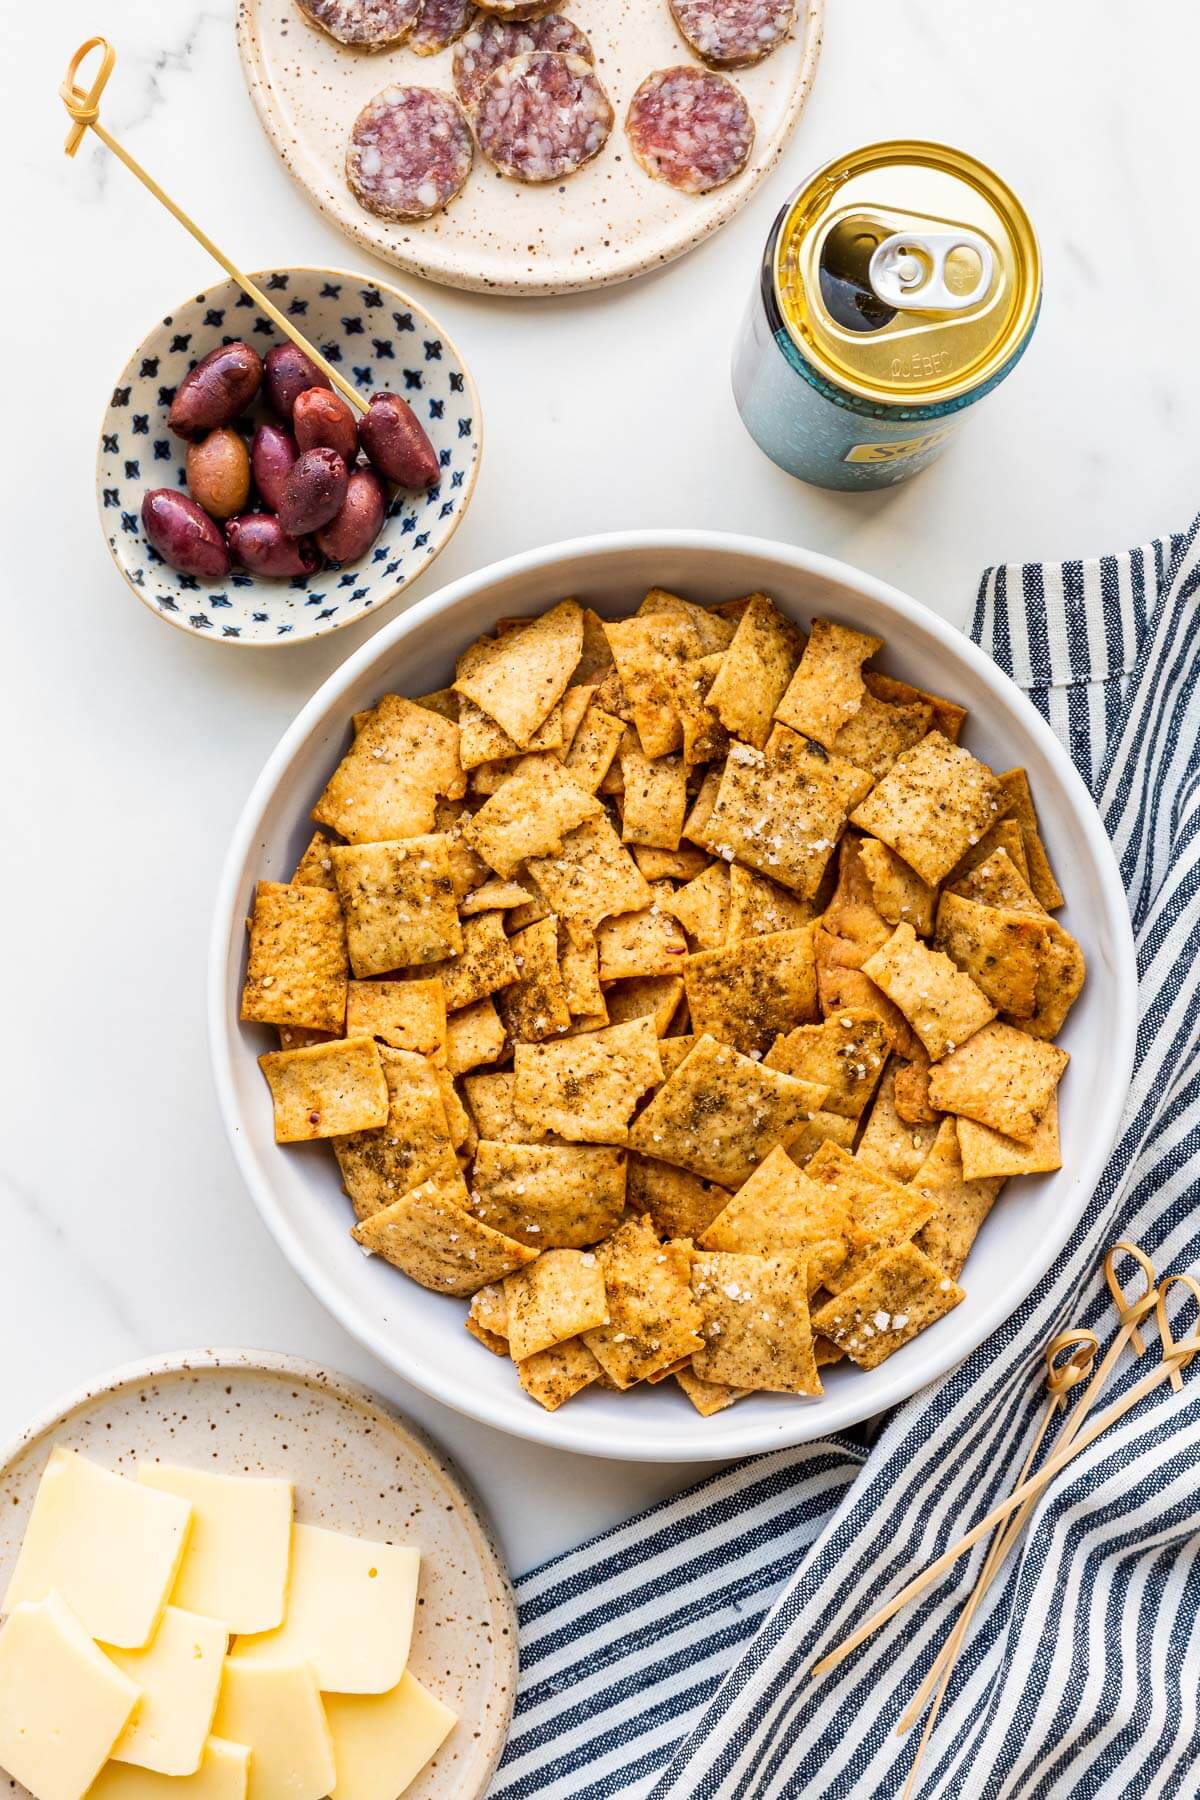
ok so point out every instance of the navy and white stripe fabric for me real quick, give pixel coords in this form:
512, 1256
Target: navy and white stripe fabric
668, 1659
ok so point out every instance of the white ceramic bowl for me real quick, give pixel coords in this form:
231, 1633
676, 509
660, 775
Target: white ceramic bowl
420, 1334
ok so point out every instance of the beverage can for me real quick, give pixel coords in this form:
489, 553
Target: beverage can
900, 285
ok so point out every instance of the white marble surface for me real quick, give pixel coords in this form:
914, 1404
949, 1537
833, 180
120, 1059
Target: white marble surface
129, 748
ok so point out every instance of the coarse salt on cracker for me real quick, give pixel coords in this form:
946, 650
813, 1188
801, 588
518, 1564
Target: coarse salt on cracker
941, 1003
1001, 951
882, 1212
652, 1317
897, 892
649, 942
484, 964
898, 1296
756, 670
1000, 1077
747, 993
519, 678
388, 784
315, 868
781, 810
586, 1088
654, 997
398, 899
534, 1006
827, 687
429, 1234
933, 803
756, 1331
296, 972
845, 1054
553, 1196
474, 1035
890, 1143
758, 907
413, 1142
554, 1299
529, 815
555, 1375
591, 877
779, 1209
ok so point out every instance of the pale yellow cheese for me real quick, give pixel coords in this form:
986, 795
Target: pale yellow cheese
235, 1567
221, 1776
62, 1703
110, 1547
350, 1613
381, 1742
276, 1711
179, 1673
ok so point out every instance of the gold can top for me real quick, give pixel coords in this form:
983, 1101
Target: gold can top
907, 273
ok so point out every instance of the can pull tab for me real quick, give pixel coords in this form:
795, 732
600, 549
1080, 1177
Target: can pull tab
908, 270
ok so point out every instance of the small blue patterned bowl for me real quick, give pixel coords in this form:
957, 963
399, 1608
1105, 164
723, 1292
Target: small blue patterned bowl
381, 339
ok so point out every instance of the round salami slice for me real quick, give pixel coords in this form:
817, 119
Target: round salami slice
410, 153
733, 33
690, 128
368, 24
542, 116
441, 23
490, 42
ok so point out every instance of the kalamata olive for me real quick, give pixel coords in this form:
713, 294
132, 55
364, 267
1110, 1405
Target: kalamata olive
320, 417
218, 473
221, 386
352, 531
272, 455
184, 535
290, 373
396, 444
259, 542
313, 491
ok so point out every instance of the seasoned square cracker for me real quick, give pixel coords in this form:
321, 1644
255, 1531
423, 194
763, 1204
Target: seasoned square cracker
408, 1015
679, 1204
398, 899
961, 1206
325, 1089
779, 1210
720, 1113
530, 815
683, 864
827, 687
687, 685
493, 896
652, 1317
824, 1127
388, 784
708, 1397
489, 1310
941, 1003
877, 733
897, 1297
553, 1196
483, 966
1060, 978
586, 1088
845, 1054
1004, 835
534, 1006
987, 1153
474, 1035
315, 868
579, 967
558, 1297
933, 803
518, 678
296, 972
756, 1331
899, 895
645, 648
1000, 1077
483, 744
1001, 951
948, 716
702, 906
590, 878
782, 810
491, 1100
593, 747
747, 993
755, 671
890, 1143
654, 997
1015, 783
429, 1234
557, 1374
882, 1212
413, 1143
649, 942
655, 799
758, 907
842, 987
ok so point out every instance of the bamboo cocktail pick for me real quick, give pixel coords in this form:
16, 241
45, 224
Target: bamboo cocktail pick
84, 109
1180, 1354
1130, 1313
1081, 1349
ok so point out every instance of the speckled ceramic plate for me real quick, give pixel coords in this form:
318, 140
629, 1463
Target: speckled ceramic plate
378, 338
606, 223
356, 1467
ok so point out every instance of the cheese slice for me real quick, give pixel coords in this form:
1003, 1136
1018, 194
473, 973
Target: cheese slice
381, 1742
350, 1612
221, 1776
110, 1548
62, 1703
235, 1567
179, 1673
276, 1712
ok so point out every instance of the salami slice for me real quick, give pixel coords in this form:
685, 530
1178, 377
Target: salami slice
490, 42
690, 128
441, 23
733, 33
410, 153
542, 116
368, 24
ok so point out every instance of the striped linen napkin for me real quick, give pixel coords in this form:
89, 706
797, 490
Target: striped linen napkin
668, 1659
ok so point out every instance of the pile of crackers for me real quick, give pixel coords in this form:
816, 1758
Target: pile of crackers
676, 988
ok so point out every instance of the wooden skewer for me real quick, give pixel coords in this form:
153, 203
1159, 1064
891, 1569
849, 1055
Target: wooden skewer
1183, 1352
1083, 1346
1130, 1313
84, 109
